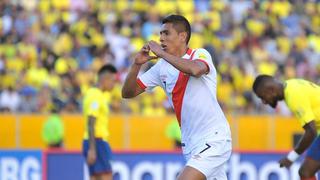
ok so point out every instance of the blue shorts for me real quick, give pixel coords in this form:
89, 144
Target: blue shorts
314, 150
102, 164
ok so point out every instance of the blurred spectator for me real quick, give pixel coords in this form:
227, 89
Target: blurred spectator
120, 45
151, 26
28, 100
2, 65
239, 10
9, 100
44, 103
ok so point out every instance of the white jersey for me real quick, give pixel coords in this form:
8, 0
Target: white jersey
193, 99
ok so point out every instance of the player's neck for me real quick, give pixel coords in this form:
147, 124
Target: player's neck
99, 87
181, 52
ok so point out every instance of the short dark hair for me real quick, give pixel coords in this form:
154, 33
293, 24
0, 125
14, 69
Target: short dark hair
107, 68
260, 80
180, 24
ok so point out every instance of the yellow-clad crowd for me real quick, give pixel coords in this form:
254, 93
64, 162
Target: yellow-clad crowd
50, 50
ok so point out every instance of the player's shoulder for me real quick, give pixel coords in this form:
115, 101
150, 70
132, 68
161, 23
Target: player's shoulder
294, 80
295, 83
290, 85
202, 53
93, 91
200, 50
294, 87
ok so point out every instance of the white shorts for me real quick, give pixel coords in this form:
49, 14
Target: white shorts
210, 158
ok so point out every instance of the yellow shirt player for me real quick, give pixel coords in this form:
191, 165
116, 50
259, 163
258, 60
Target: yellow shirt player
95, 109
303, 99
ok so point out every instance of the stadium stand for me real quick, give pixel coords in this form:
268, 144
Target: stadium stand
50, 50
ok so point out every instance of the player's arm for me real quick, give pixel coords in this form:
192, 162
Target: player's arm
131, 88
300, 106
310, 133
194, 68
92, 141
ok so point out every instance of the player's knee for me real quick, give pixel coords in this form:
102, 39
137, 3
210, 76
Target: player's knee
305, 173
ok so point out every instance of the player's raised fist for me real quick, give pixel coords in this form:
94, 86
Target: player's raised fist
156, 48
143, 55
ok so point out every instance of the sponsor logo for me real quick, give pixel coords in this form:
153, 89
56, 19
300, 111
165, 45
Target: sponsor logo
238, 168
20, 168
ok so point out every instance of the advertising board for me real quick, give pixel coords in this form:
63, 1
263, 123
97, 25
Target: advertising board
64, 165
20, 165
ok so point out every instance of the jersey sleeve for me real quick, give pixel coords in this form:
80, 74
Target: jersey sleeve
301, 107
203, 56
150, 78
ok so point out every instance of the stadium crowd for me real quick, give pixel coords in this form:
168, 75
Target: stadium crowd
51, 49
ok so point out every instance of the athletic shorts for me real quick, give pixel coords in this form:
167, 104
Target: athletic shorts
102, 164
314, 150
210, 158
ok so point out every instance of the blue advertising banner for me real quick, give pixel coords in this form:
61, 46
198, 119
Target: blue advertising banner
29, 165
64, 165
260, 166
20, 165
146, 165
241, 166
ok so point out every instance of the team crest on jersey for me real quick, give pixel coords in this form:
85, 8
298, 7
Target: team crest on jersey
94, 105
163, 77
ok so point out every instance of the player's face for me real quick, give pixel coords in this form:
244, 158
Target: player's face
170, 39
268, 97
108, 81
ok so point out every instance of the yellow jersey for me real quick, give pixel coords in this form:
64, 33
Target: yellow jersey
96, 104
303, 99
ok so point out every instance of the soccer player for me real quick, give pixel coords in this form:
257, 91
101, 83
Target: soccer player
188, 78
95, 108
303, 99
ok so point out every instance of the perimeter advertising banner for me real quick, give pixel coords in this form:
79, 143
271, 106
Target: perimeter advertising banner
20, 165
242, 166
66, 165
